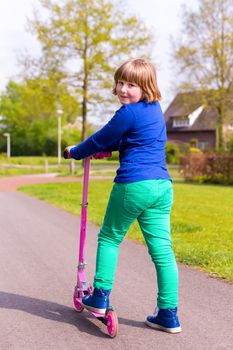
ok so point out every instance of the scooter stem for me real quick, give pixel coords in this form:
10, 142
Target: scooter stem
84, 205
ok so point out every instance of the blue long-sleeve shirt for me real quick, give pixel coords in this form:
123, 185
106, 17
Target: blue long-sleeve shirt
138, 131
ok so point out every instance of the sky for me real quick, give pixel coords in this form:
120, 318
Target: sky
162, 17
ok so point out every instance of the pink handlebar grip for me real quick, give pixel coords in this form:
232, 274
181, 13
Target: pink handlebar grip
101, 155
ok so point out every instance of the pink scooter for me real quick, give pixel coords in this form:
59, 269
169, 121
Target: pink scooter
109, 318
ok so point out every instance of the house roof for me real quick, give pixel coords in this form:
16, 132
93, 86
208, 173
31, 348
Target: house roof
182, 106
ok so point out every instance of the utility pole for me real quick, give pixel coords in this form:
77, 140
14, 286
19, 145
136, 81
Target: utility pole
8, 136
59, 113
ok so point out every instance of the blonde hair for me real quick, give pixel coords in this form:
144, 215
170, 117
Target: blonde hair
141, 72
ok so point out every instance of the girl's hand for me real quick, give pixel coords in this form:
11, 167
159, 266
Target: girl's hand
67, 154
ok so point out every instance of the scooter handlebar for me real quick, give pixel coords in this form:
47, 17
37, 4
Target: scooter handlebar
99, 155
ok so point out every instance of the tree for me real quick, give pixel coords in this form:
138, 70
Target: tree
84, 40
29, 114
204, 55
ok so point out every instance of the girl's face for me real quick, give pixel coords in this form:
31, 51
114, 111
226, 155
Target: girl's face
128, 92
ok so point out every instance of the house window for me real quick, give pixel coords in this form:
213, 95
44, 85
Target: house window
203, 145
180, 122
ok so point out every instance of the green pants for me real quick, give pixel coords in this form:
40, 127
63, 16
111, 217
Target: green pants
150, 203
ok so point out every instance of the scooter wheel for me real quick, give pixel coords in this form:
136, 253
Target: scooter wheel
112, 323
78, 306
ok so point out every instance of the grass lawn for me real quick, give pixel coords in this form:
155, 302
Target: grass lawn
28, 165
40, 160
202, 220
6, 172
16, 166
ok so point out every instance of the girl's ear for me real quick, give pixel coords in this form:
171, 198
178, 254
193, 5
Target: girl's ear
144, 96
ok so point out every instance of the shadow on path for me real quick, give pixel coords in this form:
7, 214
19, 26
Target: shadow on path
57, 312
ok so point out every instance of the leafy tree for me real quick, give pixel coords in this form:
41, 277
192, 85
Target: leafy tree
29, 114
84, 40
204, 55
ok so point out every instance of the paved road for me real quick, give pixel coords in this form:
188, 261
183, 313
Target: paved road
38, 257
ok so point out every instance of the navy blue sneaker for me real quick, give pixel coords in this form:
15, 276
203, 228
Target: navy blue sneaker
165, 320
98, 301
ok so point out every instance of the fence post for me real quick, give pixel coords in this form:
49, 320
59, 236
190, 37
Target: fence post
46, 165
72, 167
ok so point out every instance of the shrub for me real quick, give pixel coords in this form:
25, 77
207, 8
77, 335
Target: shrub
208, 168
194, 150
230, 146
173, 153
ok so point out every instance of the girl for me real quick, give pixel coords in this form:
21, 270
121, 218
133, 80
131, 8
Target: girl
142, 190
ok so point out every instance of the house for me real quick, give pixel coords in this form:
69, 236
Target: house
189, 121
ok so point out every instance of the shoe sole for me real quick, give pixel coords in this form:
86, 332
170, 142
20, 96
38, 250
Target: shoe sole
93, 309
164, 329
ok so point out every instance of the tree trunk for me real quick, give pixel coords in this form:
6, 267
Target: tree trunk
85, 83
220, 144
84, 118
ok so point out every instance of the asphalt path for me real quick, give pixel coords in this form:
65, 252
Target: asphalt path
38, 248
